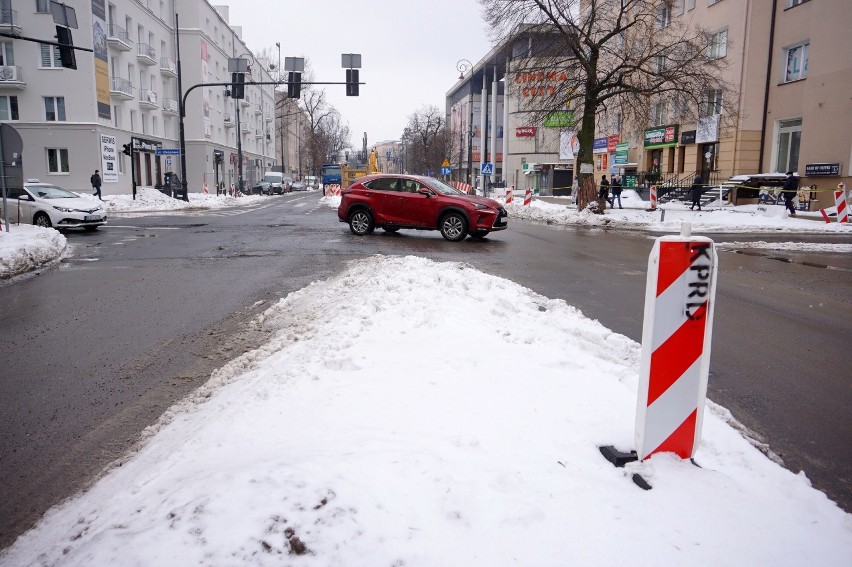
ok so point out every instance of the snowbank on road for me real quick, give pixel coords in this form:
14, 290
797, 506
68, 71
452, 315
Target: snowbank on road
152, 200
28, 247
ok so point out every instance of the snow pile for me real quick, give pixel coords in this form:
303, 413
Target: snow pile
28, 247
148, 199
408, 412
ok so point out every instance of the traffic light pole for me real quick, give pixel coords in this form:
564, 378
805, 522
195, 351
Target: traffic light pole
182, 112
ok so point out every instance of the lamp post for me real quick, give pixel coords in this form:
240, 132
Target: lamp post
281, 125
463, 66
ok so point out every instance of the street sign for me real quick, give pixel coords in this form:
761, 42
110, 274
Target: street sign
168, 161
487, 169
168, 151
446, 170
446, 163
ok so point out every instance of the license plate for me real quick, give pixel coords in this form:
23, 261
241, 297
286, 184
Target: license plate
92, 217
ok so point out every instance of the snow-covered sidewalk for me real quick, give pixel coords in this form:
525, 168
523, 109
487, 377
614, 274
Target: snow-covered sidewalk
407, 412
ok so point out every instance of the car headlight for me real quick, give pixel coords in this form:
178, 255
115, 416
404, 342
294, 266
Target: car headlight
481, 207
63, 209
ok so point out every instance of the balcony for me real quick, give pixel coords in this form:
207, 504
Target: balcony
9, 21
257, 109
229, 121
118, 38
268, 117
170, 106
245, 102
145, 54
10, 77
120, 88
245, 128
148, 99
168, 67
258, 134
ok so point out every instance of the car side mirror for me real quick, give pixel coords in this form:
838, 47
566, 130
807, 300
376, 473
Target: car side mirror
424, 191
25, 198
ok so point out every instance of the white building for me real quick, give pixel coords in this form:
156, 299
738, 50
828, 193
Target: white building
73, 122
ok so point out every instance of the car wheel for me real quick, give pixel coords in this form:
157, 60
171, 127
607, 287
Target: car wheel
42, 220
360, 222
390, 228
453, 227
479, 234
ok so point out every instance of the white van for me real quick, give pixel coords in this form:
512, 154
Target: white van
312, 181
277, 183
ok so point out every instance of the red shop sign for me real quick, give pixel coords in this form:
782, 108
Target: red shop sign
524, 131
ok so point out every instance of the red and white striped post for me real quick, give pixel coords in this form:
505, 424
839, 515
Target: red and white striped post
676, 335
528, 197
509, 193
653, 197
840, 203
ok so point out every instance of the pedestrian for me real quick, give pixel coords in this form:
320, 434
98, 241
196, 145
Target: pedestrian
96, 184
616, 192
791, 188
697, 190
603, 192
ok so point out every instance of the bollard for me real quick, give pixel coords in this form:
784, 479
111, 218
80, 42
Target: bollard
653, 197
509, 193
528, 197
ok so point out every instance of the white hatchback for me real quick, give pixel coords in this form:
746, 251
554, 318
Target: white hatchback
48, 205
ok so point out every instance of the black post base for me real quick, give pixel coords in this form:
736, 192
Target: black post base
619, 459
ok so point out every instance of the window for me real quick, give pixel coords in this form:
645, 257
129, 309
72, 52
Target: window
787, 147
718, 47
658, 113
54, 108
711, 103
50, 57
791, 3
8, 108
659, 64
57, 160
7, 54
711, 2
42, 6
679, 6
690, 4
664, 16
796, 62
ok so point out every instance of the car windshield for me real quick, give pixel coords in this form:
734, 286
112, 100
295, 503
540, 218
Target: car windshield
51, 192
440, 186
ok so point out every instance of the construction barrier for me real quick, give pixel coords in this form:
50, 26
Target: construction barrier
528, 197
509, 194
840, 203
205, 188
463, 187
332, 190
677, 329
653, 197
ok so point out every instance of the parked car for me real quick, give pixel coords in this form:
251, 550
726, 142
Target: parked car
277, 182
393, 202
298, 186
261, 188
48, 205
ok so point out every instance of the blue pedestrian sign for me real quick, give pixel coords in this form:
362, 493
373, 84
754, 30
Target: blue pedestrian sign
446, 170
168, 151
487, 169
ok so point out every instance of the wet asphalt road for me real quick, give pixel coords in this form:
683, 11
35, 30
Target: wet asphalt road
141, 312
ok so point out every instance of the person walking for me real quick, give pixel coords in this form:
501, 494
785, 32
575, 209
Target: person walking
616, 192
603, 192
96, 184
791, 188
697, 191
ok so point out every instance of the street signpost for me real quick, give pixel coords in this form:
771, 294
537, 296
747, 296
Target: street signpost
168, 151
487, 169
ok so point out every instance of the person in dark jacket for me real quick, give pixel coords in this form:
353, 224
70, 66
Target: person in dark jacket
603, 192
616, 192
96, 184
697, 191
791, 188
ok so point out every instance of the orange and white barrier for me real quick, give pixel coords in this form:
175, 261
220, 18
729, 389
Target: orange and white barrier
840, 203
463, 187
528, 197
653, 197
509, 194
205, 188
332, 190
675, 361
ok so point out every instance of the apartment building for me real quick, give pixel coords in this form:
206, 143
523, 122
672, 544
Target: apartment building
75, 121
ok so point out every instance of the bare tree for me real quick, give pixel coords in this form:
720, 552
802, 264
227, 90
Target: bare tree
619, 56
429, 140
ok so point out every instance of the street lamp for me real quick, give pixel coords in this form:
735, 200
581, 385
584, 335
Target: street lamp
463, 66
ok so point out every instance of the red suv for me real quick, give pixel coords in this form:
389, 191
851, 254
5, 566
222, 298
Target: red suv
393, 202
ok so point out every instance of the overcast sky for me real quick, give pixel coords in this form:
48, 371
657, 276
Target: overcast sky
409, 50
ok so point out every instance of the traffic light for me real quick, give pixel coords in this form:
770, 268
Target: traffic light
128, 150
294, 84
352, 82
238, 85
66, 47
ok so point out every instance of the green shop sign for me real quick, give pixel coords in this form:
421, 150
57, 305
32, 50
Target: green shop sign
560, 119
661, 137
621, 153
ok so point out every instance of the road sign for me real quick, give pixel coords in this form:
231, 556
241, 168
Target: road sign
446, 163
168, 151
446, 170
487, 169
168, 161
